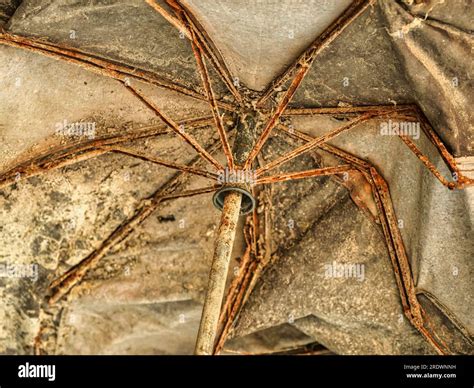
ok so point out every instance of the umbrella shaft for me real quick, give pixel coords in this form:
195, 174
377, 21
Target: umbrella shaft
218, 275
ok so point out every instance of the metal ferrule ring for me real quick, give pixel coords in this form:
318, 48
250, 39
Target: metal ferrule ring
248, 201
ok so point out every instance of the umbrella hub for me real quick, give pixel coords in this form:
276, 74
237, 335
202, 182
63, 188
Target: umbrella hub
237, 179
248, 201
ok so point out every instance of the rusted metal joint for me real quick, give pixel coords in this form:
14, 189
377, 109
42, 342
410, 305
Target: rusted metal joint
238, 179
248, 201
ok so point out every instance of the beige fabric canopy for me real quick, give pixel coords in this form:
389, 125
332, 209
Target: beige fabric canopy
112, 142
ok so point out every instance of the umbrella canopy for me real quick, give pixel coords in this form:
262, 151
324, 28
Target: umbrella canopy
349, 121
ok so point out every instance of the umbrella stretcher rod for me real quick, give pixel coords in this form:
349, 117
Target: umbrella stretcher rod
232, 207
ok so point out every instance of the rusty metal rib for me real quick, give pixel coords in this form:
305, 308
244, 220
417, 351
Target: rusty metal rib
67, 281
74, 153
305, 174
322, 42
64, 283
161, 162
394, 242
212, 100
174, 126
202, 39
100, 66
277, 114
314, 143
